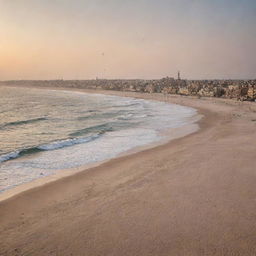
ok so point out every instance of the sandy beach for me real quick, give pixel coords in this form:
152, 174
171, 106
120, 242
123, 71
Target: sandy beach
194, 195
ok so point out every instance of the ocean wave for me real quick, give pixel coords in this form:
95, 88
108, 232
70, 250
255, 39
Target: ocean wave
125, 117
67, 142
103, 115
126, 105
101, 128
9, 156
29, 121
47, 147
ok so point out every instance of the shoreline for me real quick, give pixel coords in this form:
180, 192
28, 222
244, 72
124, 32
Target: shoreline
192, 196
169, 134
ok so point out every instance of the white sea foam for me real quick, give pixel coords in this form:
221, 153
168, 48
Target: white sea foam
144, 119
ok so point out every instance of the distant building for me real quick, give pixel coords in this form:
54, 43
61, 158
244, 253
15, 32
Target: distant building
178, 75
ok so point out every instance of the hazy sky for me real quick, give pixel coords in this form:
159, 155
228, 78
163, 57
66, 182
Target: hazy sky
76, 39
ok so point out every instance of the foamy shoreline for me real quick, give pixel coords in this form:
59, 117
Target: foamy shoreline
192, 196
168, 135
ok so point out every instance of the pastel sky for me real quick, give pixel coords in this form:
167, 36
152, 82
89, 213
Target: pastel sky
84, 39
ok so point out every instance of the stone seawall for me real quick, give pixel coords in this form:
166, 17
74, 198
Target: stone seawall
244, 90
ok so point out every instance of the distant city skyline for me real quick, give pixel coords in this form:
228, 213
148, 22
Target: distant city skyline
144, 39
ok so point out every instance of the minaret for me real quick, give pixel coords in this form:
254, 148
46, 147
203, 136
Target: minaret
178, 75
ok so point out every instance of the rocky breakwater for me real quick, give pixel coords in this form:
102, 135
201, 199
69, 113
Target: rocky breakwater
244, 90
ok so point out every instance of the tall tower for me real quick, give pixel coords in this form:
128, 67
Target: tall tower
178, 75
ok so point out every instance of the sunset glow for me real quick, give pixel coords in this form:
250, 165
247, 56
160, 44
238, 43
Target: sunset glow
127, 39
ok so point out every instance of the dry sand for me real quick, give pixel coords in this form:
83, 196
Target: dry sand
195, 195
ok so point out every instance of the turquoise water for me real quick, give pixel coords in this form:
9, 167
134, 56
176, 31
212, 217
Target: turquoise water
42, 131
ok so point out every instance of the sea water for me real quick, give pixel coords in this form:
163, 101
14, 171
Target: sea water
43, 131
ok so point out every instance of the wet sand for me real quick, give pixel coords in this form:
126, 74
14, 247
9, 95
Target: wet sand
195, 195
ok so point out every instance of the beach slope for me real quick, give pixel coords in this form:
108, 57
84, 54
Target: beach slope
195, 195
